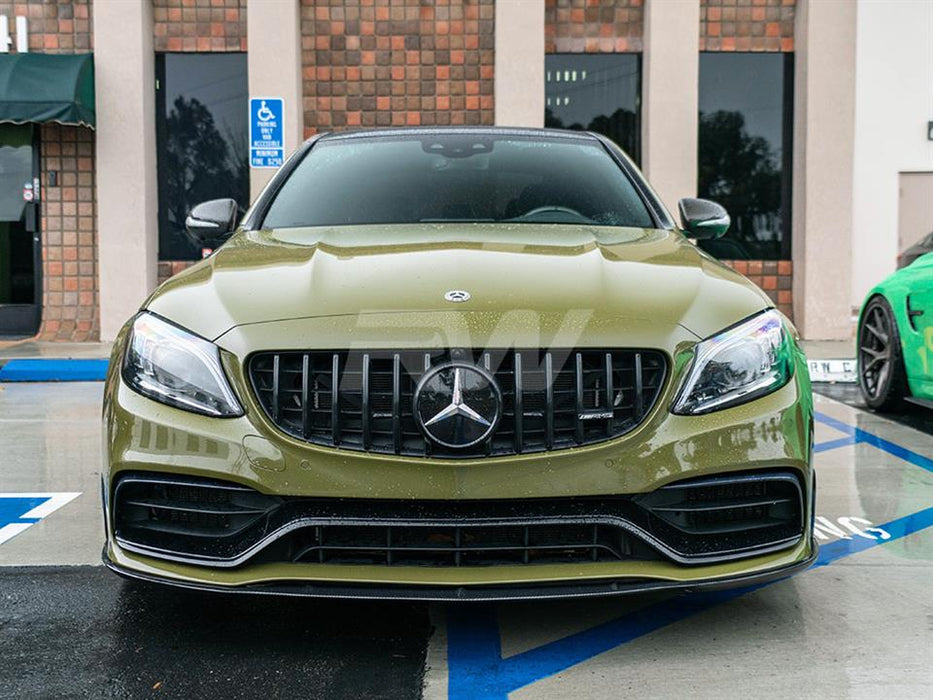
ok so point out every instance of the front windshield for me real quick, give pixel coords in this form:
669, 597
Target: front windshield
440, 178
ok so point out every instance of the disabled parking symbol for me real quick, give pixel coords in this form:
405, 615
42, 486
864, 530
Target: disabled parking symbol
20, 511
266, 134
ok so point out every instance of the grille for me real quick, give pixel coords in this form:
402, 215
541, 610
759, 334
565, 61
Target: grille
458, 545
364, 400
693, 521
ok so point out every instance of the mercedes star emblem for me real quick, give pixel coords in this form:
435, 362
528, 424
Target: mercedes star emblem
457, 405
457, 295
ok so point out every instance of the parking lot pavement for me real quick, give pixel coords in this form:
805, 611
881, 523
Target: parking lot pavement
80, 632
856, 625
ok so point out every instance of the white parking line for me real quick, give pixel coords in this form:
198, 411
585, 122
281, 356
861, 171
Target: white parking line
434, 686
54, 502
12, 530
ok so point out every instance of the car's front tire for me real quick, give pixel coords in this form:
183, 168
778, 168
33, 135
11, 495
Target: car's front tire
881, 372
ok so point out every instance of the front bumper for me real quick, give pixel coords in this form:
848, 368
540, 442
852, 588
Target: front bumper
771, 433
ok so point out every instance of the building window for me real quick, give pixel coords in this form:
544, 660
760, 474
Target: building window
201, 140
745, 158
596, 92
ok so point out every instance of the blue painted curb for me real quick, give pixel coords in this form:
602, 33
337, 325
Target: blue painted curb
54, 370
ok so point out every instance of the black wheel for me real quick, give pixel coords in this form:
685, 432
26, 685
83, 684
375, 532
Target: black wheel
881, 373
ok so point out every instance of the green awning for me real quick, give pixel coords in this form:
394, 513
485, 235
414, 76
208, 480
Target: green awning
38, 88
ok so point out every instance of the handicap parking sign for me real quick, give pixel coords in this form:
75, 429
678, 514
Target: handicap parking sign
266, 136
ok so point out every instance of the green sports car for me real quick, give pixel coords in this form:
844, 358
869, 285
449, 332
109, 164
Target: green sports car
458, 364
895, 339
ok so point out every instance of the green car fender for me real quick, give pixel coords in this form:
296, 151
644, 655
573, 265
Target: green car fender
909, 291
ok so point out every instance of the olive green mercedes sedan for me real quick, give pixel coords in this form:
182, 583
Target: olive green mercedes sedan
458, 364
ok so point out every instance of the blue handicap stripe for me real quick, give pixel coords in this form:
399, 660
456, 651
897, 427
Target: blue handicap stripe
12, 509
477, 670
834, 444
857, 435
53, 370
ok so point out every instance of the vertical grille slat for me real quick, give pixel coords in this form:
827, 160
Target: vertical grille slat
305, 396
396, 403
276, 404
549, 401
519, 411
335, 400
366, 418
363, 400
610, 392
578, 372
639, 398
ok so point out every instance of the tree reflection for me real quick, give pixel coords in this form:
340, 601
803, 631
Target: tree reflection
200, 163
741, 172
621, 126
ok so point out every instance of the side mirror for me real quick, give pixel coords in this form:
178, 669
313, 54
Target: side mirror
210, 223
703, 219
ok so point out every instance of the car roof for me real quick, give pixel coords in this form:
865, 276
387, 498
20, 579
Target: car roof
457, 130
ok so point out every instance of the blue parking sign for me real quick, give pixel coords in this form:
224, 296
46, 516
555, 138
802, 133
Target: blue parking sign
266, 136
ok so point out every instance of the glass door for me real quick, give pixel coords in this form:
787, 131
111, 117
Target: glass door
20, 255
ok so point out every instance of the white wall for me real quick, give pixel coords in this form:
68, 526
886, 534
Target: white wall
824, 137
519, 84
127, 208
670, 98
274, 28
893, 103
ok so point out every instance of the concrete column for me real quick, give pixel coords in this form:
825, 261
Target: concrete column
670, 97
519, 87
274, 59
127, 220
824, 143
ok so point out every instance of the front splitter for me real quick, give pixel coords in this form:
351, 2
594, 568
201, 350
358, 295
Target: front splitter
479, 593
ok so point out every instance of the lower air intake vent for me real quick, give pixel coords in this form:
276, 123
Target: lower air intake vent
701, 517
696, 521
199, 517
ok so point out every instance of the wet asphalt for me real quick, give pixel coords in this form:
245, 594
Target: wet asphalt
916, 417
82, 632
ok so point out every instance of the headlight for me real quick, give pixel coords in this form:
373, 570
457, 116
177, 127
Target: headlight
737, 365
177, 368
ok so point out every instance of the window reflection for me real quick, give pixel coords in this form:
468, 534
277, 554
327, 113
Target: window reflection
746, 121
17, 248
202, 136
596, 92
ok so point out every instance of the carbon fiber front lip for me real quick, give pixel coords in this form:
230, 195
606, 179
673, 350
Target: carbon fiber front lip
478, 593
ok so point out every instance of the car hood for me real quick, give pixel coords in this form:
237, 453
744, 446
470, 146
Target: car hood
646, 277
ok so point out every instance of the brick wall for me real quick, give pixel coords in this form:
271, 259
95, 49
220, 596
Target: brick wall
775, 277
55, 26
368, 63
199, 25
583, 26
68, 222
170, 268
69, 235
747, 25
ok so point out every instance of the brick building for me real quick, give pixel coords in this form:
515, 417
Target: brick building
751, 102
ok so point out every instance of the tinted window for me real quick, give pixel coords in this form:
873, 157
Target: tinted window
454, 177
746, 122
201, 140
595, 92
